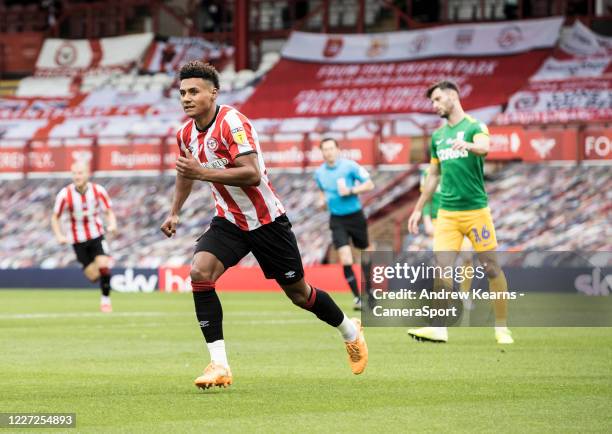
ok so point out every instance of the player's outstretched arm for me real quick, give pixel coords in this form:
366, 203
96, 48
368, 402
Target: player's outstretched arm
428, 190
182, 189
57, 230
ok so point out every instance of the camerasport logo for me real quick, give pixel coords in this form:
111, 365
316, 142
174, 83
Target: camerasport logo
333, 46
509, 36
66, 54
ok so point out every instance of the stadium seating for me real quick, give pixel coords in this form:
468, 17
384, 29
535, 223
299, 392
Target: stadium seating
547, 208
564, 208
139, 243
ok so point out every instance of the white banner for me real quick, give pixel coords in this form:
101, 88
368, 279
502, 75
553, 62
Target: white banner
554, 69
582, 41
168, 56
115, 98
575, 84
564, 101
18, 129
490, 39
73, 56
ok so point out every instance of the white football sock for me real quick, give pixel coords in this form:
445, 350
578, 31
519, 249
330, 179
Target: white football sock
217, 352
105, 299
348, 330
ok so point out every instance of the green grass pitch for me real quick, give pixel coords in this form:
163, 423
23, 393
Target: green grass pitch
133, 370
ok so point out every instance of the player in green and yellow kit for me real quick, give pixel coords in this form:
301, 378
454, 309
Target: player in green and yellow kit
458, 150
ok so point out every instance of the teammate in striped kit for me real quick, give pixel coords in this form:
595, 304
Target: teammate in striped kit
220, 146
84, 201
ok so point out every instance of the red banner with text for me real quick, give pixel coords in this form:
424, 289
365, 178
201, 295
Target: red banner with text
533, 145
297, 89
596, 144
392, 150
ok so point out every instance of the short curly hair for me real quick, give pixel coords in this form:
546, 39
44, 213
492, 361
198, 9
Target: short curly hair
199, 69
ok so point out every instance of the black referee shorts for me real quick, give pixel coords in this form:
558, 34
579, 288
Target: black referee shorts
349, 227
273, 245
87, 251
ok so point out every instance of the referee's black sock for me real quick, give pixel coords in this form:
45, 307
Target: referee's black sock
105, 278
321, 304
208, 310
350, 279
366, 266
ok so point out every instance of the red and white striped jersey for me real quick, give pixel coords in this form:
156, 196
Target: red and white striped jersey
229, 136
84, 210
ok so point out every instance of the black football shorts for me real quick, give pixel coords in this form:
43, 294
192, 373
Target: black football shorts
349, 227
274, 246
87, 251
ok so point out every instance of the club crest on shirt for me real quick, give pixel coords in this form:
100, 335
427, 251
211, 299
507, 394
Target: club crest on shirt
212, 144
239, 135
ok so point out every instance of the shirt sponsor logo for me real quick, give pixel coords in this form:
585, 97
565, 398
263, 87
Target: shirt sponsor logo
239, 135
216, 164
451, 154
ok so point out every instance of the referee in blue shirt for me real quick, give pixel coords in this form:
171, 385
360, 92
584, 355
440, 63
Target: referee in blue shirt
341, 181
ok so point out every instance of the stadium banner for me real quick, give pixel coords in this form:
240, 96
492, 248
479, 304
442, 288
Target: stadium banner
43, 159
300, 89
596, 144
168, 56
143, 156
61, 57
19, 51
587, 100
294, 154
544, 289
165, 279
582, 41
392, 150
489, 39
533, 145
569, 69
506, 143
101, 104
123, 280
